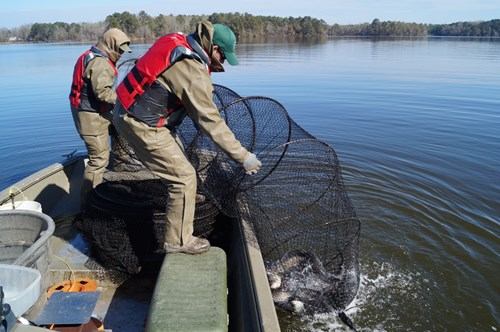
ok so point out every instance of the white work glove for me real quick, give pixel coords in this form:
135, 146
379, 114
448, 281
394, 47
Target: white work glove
252, 164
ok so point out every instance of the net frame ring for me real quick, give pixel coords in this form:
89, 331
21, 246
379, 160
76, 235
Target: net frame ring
250, 118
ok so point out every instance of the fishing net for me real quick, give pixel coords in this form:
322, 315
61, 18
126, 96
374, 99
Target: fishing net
303, 220
301, 217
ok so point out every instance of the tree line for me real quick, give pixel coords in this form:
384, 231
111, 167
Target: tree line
246, 26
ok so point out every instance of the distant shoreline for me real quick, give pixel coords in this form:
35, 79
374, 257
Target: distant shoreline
253, 40
245, 26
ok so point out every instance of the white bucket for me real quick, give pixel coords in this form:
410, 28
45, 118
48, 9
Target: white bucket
23, 205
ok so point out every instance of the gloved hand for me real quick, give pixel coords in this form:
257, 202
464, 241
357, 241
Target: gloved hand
252, 164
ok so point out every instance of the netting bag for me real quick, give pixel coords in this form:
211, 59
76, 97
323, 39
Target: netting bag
304, 222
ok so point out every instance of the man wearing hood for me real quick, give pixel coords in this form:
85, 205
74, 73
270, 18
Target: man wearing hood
92, 98
172, 80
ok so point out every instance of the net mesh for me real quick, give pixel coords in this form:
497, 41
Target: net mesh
303, 221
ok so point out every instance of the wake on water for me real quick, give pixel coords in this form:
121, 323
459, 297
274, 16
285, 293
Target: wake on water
382, 289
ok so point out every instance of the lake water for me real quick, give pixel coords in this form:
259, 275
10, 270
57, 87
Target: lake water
416, 127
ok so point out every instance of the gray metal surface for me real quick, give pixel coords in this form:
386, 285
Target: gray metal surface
68, 308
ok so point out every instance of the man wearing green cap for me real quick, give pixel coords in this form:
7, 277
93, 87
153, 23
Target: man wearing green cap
172, 80
92, 97
225, 40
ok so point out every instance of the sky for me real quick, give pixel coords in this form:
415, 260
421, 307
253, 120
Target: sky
15, 13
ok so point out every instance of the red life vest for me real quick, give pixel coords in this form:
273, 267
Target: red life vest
143, 96
81, 95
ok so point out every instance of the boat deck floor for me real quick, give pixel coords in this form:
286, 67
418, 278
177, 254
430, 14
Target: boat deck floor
122, 306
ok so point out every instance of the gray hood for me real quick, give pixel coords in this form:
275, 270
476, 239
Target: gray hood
111, 41
204, 34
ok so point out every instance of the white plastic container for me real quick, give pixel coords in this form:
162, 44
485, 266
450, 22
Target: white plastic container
22, 205
21, 287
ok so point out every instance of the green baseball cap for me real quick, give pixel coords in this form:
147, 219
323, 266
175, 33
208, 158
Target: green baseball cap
226, 40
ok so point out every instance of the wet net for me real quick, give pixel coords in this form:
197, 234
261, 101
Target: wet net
301, 217
303, 220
